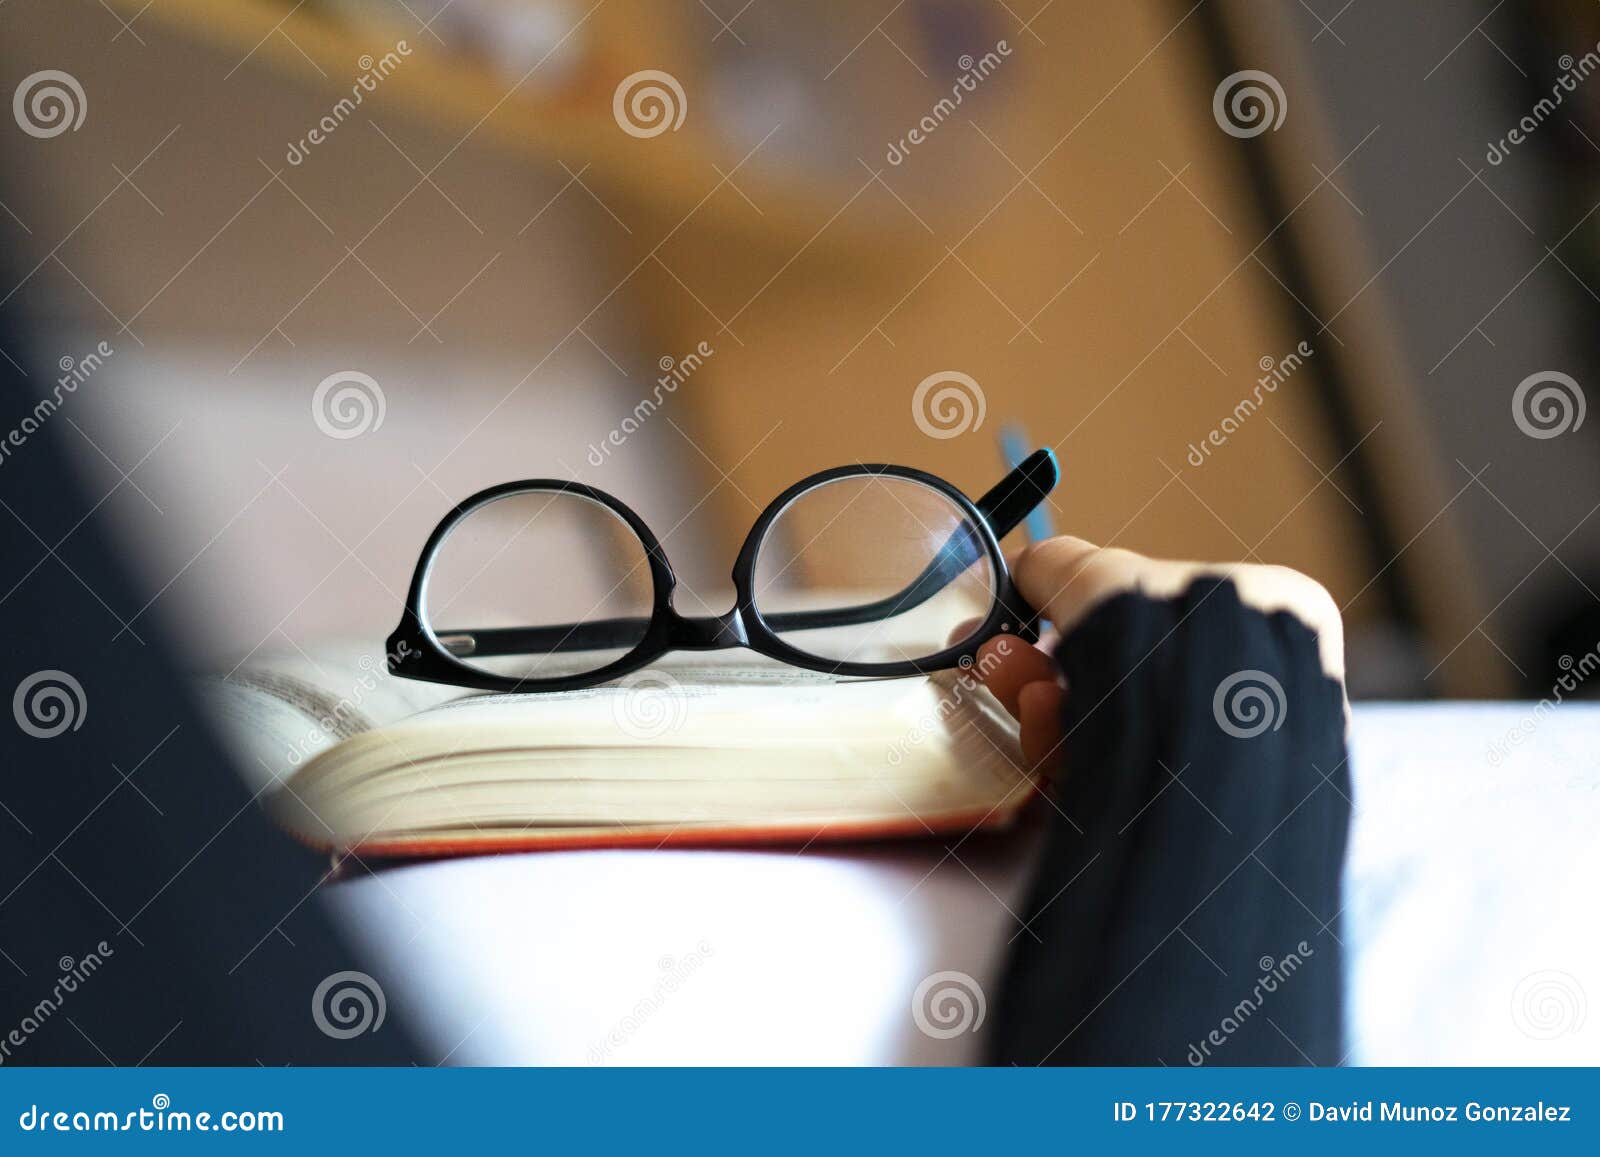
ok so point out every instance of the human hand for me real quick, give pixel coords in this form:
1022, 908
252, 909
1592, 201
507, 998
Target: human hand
1065, 578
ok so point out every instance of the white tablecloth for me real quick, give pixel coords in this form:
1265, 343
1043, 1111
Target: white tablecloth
1473, 886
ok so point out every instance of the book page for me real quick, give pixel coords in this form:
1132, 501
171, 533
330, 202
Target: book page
749, 747
279, 711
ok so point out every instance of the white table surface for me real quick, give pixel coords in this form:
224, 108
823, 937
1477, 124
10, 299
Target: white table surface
1473, 889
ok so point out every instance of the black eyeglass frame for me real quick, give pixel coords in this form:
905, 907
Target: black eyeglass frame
416, 651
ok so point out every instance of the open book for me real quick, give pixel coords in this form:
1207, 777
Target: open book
349, 758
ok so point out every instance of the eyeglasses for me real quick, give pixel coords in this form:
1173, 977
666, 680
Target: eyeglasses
863, 570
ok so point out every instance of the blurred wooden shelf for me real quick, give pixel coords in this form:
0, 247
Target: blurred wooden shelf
669, 176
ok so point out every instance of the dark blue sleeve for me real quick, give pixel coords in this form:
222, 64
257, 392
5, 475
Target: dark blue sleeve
1186, 908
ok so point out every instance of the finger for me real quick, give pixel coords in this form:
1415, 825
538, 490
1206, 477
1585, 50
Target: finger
1068, 577
1064, 577
1007, 664
1039, 706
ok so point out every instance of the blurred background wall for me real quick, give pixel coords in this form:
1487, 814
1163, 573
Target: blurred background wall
1296, 340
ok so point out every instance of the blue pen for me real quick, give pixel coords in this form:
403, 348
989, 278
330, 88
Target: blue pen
1014, 448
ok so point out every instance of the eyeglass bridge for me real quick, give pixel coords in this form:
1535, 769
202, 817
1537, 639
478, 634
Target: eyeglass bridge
708, 633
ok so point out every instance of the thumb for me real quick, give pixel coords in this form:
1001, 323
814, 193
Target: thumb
1064, 578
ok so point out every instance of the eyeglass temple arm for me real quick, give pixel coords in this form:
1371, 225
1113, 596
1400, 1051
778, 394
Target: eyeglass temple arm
1016, 495
1003, 508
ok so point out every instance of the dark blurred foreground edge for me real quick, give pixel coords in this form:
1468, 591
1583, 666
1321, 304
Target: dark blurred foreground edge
148, 911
